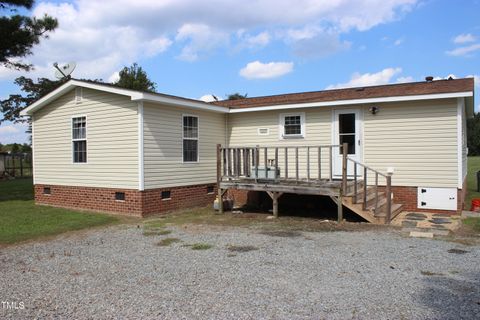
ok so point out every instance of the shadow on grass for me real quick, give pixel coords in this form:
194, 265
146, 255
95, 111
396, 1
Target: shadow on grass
16, 189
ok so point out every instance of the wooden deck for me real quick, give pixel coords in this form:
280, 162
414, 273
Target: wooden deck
309, 172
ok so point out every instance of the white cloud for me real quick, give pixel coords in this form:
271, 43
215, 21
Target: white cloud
313, 41
369, 79
259, 70
464, 38
8, 129
399, 41
114, 77
201, 38
208, 98
102, 36
260, 40
464, 51
405, 79
13, 132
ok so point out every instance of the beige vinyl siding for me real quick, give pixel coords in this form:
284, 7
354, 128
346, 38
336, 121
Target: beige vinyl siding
243, 131
418, 139
163, 147
112, 141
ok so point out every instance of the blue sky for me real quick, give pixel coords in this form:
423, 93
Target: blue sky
194, 48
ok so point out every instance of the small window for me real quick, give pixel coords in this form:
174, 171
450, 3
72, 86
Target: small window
120, 196
47, 190
210, 189
346, 128
79, 139
190, 139
292, 125
166, 195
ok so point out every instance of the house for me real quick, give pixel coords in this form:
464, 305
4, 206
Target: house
105, 148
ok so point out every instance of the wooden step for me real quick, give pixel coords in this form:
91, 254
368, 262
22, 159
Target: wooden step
367, 215
350, 188
370, 198
396, 209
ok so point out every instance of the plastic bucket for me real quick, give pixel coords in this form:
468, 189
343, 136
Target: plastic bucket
475, 205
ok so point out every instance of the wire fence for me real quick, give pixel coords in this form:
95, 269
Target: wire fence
16, 165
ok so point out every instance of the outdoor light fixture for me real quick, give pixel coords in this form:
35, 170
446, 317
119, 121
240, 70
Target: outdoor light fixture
373, 110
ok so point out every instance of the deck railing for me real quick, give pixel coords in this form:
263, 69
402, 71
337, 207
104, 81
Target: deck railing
302, 164
297, 163
372, 173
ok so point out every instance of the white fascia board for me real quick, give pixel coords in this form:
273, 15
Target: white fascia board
355, 101
181, 102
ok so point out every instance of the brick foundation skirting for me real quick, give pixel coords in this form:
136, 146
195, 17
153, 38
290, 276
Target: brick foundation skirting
136, 203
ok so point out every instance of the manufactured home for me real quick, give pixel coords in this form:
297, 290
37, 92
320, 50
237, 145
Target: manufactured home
377, 150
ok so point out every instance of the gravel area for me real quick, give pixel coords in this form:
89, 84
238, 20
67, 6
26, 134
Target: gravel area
119, 273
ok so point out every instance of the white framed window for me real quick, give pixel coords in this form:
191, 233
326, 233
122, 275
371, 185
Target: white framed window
292, 125
79, 139
190, 138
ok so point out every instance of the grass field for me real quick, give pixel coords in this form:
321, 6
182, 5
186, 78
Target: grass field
22, 220
473, 167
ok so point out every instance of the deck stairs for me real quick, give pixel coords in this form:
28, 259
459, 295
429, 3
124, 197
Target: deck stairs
374, 208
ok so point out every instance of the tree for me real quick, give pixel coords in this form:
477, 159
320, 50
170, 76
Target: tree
12, 106
473, 135
135, 78
19, 34
236, 96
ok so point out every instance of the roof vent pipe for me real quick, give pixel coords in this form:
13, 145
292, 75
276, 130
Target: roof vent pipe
429, 79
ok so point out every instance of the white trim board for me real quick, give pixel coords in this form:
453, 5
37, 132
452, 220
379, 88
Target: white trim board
141, 170
460, 108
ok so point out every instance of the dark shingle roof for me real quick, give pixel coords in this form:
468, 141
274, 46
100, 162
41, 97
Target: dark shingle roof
391, 90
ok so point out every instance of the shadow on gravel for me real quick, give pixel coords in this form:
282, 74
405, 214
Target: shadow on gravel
452, 298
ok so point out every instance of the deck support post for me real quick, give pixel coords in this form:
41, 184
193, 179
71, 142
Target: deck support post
344, 166
388, 192
340, 206
221, 192
275, 196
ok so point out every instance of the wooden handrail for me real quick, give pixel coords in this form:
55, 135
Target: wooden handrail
388, 187
245, 161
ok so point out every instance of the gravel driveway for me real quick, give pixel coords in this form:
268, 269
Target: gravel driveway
119, 273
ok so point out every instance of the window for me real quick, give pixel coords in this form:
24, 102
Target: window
47, 190
292, 125
166, 195
79, 139
346, 126
210, 189
190, 139
120, 196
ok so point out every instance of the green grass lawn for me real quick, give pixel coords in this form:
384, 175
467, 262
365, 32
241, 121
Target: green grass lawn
21, 219
473, 167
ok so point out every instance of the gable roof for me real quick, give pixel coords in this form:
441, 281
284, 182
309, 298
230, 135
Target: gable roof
394, 92
133, 94
439, 89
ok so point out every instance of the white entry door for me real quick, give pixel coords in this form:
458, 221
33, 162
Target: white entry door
346, 129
